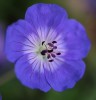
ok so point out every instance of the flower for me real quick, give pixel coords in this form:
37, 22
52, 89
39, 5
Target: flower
47, 48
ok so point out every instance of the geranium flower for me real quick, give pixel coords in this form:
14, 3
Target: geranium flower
47, 48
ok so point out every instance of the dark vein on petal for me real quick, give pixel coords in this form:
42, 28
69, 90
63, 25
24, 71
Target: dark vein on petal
28, 61
22, 50
34, 28
46, 77
34, 39
26, 38
28, 67
48, 31
52, 31
21, 56
33, 70
50, 67
39, 26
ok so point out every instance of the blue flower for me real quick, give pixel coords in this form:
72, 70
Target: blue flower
47, 48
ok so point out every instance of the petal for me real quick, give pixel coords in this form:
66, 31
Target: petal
18, 41
45, 17
66, 75
30, 74
75, 38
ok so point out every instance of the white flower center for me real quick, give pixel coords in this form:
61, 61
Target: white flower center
49, 51
46, 49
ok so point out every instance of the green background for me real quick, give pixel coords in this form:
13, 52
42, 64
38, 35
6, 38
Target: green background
85, 89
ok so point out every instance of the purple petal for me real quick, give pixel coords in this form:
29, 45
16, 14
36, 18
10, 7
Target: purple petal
75, 38
66, 75
45, 15
16, 36
29, 75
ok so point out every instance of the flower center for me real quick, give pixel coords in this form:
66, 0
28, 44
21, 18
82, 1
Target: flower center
50, 51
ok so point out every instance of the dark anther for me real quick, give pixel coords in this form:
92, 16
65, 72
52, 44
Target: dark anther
54, 42
53, 55
50, 51
48, 56
51, 60
58, 53
50, 44
43, 52
43, 42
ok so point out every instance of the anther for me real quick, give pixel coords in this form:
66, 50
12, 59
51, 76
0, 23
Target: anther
43, 42
50, 44
53, 55
49, 51
54, 42
51, 60
43, 52
48, 56
58, 53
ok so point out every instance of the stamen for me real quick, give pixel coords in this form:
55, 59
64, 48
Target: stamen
48, 56
49, 51
54, 42
58, 53
51, 60
50, 44
43, 52
53, 55
43, 42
